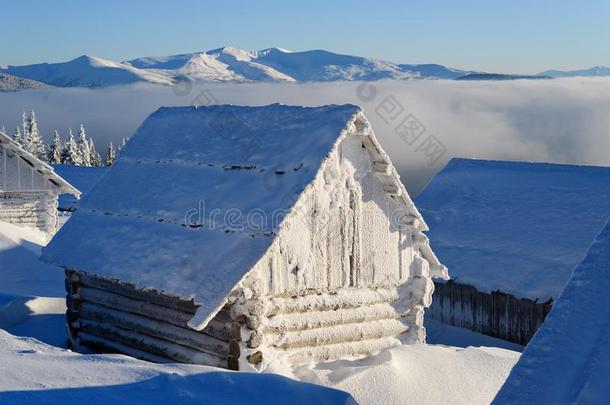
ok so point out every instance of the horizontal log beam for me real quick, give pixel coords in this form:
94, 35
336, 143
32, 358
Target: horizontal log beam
104, 345
336, 334
154, 328
346, 298
317, 319
218, 329
156, 346
341, 350
130, 291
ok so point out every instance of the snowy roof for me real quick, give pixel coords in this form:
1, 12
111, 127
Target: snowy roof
172, 213
568, 360
42, 168
513, 226
83, 177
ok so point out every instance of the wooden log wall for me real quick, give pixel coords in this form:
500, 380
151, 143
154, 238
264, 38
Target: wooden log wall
111, 316
320, 327
34, 209
495, 314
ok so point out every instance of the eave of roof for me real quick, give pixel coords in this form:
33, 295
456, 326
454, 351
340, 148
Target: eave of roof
44, 169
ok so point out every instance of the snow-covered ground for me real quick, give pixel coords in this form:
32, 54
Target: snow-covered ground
418, 374
35, 373
438, 333
32, 306
21, 272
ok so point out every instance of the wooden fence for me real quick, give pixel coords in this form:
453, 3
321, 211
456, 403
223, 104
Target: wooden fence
495, 314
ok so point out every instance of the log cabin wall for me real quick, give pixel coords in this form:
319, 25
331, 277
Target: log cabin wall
495, 314
27, 198
329, 285
36, 209
110, 316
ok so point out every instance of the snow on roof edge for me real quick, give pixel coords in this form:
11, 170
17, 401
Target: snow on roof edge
45, 170
455, 161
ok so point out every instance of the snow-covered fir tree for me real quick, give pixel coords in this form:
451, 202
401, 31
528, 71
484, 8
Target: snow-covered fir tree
70, 154
95, 158
83, 147
18, 136
55, 149
32, 140
110, 155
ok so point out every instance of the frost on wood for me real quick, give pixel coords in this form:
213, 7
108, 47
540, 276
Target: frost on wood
344, 271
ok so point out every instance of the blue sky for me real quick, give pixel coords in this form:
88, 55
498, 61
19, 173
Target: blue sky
505, 36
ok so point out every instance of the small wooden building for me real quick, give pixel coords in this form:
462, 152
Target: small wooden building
511, 233
29, 188
243, 236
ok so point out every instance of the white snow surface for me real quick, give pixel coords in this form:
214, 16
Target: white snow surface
234, 160
517, 227
21, 272
416, 374
33, 372
568, 360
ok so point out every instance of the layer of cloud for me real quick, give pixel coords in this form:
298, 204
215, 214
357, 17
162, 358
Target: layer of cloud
562, 121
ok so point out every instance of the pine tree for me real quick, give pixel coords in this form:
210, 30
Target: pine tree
24, 127
83, 147
33, 142
18, 136
55, 149
110, 155
96, 159
70, 154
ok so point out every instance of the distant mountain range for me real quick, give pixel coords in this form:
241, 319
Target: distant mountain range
235, 65
595, 71
13, 83
501, 76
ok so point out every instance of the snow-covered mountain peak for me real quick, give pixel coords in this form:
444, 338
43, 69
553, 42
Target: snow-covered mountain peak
267, 51
86, 71
236, 53
95, 61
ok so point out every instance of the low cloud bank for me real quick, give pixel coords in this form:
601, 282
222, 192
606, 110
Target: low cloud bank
422, 124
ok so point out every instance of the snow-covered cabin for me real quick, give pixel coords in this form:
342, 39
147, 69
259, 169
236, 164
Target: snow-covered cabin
29, 188
511, 233
237, 236
568, 360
